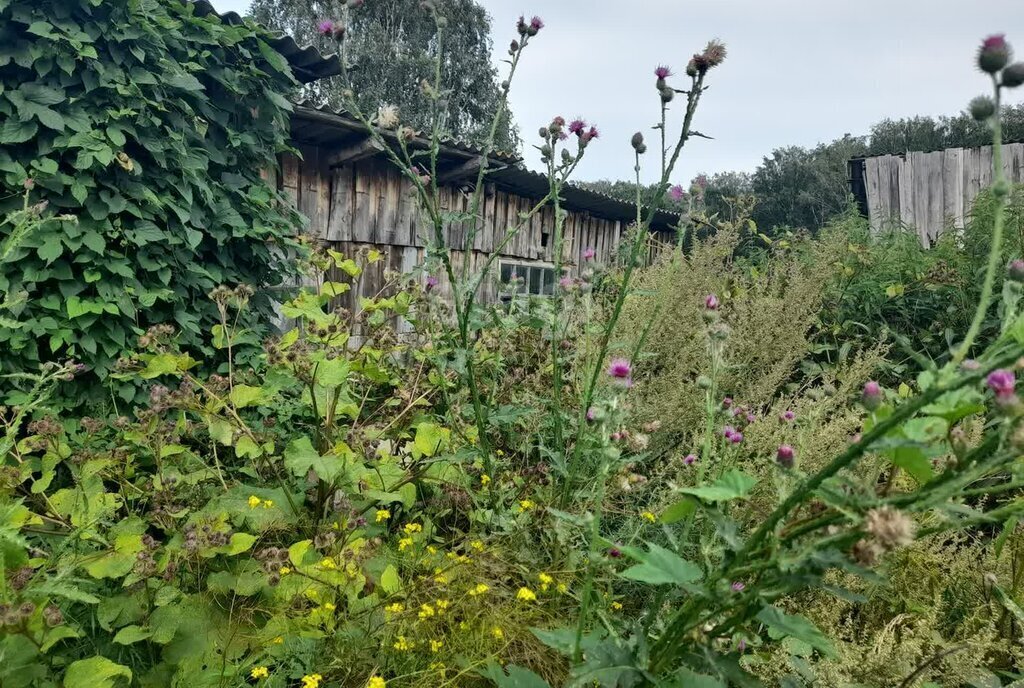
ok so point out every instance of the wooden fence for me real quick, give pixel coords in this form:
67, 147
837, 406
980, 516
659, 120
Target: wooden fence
929, 193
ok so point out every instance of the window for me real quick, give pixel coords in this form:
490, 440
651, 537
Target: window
538, 279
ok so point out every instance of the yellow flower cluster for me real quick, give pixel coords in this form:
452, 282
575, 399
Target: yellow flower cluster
259, 672
498, 633
648, 516
478, 589
485, 479
255, 501
545, 581
312, 681
436, 645
404, 544
526, 595
411, 528
395, 608
376, 682
426, 611
403, 644
526, 504
477, 545
383, 515
328, 563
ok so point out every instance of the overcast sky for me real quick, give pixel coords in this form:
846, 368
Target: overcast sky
798, 71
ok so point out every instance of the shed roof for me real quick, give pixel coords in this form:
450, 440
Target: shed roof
307, 62
323, 126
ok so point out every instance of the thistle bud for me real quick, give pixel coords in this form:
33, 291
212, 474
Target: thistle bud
1013, 76
785, 456
1015, 271
513, 47
981, 108
704, 382
637, 141
667, 94
543, 132
545, 150
994, 54
872, 395
691, 68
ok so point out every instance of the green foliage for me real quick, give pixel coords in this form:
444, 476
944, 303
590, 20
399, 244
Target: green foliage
392, 46
150, 126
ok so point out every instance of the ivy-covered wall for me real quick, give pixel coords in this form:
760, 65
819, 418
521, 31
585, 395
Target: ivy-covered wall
151, 125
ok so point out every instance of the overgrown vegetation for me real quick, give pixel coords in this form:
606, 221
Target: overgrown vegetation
678, 474
150, 125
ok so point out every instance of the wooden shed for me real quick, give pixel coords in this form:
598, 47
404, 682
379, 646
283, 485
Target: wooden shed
928, 193
355, 198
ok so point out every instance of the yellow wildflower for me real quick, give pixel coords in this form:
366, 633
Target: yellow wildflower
526, 595
426, 611
284, 571
485, 479
526, 504
440, 578
312, 681
268, 503
431, 549
648, 516
442, 605
497, 632
329, 606
438, 667
376, 682
545, 581
478, 589
254, 501
404, 543
328, 563
259, 672
395, 608
477, 545
383, 515
403, 644
278, 640
411, 528
436, 645
562, 588
616, 606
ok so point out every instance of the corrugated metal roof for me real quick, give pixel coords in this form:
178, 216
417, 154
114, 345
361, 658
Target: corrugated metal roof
307, 63
320, 125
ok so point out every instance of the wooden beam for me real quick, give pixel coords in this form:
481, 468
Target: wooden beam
461, 171
365, 148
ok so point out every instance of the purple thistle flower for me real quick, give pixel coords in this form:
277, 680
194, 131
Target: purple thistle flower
701, 181
614, 552
690, 459
1002, 383
785, 456
727, 402
432, 282
589, 135
751, 418
728, 431
676, 193
711, 302
577, 126
591, 414
325, 28
589, 253
736, 437
620, 369
566, 283
871, 397
738, 586
1015, 270
741, 646
663, 72
536, 23
787, 416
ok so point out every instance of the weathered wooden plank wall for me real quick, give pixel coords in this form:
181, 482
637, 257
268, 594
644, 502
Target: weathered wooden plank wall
368, 204
932, 192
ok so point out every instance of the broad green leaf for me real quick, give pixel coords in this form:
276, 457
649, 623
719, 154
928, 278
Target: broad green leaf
914, 461
562, 640
796, 626
687, 678
679, 511
659, 566
57, 634
300, 457
733, 484
132, 634
245, 395
430, 438
389, 580
96, 672
513, 676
